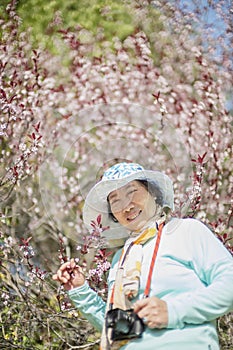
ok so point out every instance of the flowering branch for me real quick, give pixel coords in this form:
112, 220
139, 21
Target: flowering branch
93, 245
100, 264
196, 195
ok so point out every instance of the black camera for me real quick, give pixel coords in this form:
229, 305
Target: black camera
125, 324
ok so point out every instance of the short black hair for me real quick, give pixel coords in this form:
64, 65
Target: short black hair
151, 187
154, 190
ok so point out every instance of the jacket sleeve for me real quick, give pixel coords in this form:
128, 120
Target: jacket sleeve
90, 304
214, 266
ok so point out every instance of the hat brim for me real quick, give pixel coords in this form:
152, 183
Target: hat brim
96, 202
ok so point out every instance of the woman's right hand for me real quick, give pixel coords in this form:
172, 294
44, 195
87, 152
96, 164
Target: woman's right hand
70, 275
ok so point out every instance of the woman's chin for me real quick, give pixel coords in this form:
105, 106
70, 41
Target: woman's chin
136, 226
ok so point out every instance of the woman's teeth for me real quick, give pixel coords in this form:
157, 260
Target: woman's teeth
133, 216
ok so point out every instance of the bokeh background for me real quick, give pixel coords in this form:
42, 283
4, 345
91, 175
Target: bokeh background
82, 86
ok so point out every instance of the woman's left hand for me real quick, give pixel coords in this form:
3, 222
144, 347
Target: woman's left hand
153, 311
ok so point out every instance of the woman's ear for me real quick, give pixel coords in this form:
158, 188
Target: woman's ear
113, 217
110, 212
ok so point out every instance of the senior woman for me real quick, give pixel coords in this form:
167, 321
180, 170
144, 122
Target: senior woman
170, 281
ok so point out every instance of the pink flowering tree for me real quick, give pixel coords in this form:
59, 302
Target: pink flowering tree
158, 97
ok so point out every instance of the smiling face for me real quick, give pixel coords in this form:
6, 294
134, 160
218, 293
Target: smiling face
132, 205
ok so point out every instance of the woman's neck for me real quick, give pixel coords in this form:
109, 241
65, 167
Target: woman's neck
157, 219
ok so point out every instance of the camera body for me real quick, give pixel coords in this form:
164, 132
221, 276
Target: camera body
125, 324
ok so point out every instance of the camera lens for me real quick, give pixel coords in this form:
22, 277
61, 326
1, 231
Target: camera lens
122, 326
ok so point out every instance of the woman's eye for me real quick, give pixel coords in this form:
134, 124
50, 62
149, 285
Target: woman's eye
132, 191
114, 202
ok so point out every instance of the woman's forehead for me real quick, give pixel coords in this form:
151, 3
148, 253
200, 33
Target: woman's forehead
133, 183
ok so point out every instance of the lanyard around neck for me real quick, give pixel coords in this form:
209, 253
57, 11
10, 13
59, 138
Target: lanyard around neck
154, 256
152, 264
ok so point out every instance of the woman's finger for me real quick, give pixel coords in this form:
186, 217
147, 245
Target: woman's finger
140, 304
70, 275
55, 277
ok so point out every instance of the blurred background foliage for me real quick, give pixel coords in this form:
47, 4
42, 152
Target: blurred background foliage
77, 80
112, 18
103, 19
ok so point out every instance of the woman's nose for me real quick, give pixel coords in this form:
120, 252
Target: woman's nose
129, 206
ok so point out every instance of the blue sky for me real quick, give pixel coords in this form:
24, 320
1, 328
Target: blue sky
210, 21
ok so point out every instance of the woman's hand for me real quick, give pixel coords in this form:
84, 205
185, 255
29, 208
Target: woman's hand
70, 275
153, 311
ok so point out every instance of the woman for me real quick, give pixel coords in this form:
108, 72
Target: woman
176, 276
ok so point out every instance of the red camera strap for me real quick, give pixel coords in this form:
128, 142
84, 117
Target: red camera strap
152, 264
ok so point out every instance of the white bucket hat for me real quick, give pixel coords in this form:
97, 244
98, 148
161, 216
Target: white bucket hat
115, 177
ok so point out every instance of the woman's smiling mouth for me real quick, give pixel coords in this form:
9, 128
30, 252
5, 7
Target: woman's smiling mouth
133, 216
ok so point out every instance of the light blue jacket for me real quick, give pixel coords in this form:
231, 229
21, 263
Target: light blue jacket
193, 273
